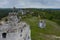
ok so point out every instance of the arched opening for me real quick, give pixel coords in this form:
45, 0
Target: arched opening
4, 35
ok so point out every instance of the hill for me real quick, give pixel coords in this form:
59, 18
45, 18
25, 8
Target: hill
52, 16
49, 33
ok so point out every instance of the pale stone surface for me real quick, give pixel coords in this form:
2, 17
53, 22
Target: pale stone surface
15, 30
42, 23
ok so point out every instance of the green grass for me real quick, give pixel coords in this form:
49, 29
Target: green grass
51, 29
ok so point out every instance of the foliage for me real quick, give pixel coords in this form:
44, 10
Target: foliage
51, 14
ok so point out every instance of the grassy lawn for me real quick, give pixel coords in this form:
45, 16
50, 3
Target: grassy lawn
41, 34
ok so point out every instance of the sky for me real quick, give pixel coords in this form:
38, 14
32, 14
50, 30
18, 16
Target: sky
30, 3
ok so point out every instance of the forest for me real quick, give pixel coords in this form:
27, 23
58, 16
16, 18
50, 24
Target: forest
50, 14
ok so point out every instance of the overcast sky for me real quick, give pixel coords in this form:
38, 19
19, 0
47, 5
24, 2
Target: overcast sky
30, 3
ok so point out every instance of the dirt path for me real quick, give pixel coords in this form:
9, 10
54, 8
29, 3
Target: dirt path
50, 36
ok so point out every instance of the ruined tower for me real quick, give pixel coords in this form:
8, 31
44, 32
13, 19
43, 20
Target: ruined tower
13, 29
